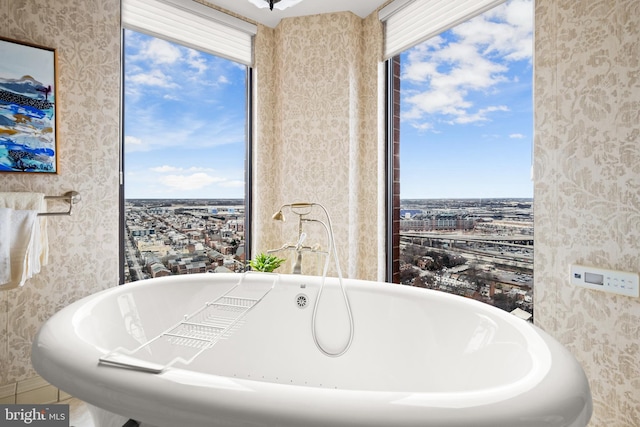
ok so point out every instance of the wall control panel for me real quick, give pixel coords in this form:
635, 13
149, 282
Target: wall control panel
617, 282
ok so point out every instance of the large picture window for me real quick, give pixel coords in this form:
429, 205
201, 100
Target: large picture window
185, 142
464, 219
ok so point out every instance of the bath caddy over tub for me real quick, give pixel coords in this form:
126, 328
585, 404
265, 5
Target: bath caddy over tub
190, 337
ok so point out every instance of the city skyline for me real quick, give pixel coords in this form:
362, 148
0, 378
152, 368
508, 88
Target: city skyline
478, 248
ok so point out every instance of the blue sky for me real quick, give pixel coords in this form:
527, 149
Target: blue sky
466, 109
466, 115
184, 122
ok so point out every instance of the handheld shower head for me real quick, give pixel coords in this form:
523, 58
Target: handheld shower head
295, 208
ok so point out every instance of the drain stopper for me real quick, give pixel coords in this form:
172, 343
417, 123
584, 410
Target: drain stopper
301, 300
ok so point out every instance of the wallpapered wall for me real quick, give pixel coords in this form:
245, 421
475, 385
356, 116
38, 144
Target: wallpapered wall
83, 247
317, 135
587, 189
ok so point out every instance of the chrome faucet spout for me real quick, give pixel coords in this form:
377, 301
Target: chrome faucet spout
297, 267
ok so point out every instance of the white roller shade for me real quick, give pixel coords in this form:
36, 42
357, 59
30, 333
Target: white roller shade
192, 24
410, 22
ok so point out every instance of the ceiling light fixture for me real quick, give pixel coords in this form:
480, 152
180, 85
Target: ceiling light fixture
278, 4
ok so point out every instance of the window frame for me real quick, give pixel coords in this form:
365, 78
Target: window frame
392, 161
248, 161
392, 148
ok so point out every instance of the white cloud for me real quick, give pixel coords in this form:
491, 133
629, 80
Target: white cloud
132, 140
200, 169
161, 52
152, 78
173, 73
516, 136
189, 182
482, 115
165, 168
148, 61
232, 184
183, 130
196, 61
474, 57
423, 126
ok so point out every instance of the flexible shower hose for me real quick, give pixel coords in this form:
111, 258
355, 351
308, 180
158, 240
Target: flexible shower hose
334, 253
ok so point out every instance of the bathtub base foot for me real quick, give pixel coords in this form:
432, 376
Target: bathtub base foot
104, 418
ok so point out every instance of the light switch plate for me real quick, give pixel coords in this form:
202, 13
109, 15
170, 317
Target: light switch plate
617, 282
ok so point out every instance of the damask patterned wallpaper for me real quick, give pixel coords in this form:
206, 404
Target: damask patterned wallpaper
317, 137
587, 189
84, 247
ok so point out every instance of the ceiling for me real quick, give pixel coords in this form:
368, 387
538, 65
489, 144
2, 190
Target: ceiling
362, 8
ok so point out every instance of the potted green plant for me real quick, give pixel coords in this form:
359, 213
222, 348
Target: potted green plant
266, 262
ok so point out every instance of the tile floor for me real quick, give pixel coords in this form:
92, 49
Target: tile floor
78, 413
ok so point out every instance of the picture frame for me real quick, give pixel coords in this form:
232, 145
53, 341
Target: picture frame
28, 108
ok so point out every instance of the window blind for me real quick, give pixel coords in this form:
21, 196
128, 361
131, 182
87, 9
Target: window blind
192, 24
410, 22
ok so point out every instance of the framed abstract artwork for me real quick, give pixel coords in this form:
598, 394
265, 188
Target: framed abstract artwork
28, 116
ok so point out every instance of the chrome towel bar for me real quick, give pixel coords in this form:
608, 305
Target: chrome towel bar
72, 197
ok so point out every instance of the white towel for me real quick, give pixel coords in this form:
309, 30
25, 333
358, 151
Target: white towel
24, 247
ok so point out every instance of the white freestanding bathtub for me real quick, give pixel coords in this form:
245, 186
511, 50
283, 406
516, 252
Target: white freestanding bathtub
417, 358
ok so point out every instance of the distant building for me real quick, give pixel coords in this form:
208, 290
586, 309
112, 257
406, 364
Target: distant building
158, 270
439, 222
215, 257
137, 231
152, 245
425, 262
409, 213
240, 254
196, 267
